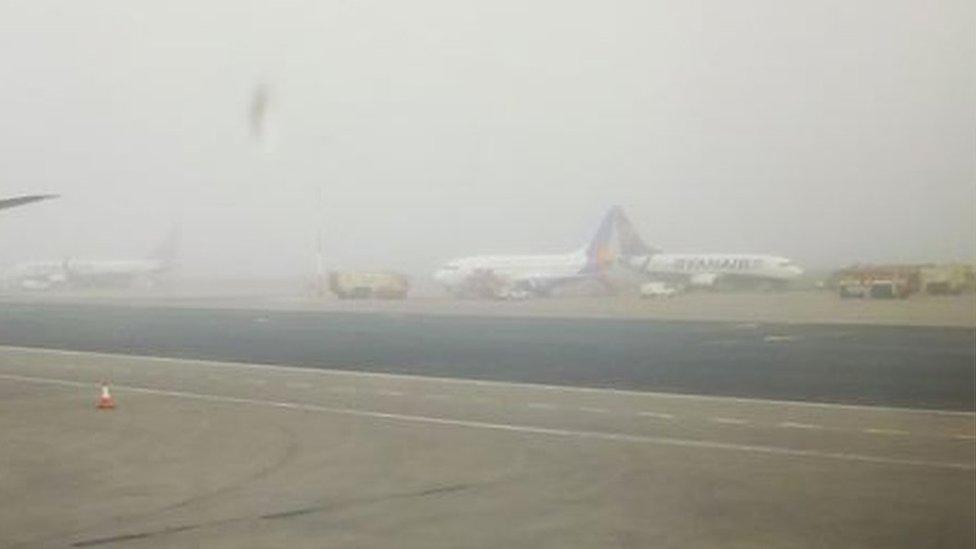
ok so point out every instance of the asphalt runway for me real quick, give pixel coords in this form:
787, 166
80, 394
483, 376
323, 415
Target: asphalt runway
897, 366
218, 454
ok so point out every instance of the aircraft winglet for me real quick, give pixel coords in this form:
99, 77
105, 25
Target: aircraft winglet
21, 200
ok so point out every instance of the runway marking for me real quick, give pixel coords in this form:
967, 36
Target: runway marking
779, 338
541, 406
729, 420
593, 410
298, 384
897, 432
656, 415
384, 392
516, 428
486, 383
793, 425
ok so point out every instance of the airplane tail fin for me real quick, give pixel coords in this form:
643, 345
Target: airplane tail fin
599, 253
616, 237
631, 244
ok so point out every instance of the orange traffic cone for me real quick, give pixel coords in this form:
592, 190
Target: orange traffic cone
106, 401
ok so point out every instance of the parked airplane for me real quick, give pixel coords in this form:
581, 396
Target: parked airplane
702, 270
21, 200
516, 276
46, 275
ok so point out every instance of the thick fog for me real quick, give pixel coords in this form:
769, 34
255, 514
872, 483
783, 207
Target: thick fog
412, 132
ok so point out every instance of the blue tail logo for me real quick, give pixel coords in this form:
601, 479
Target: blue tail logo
600, 254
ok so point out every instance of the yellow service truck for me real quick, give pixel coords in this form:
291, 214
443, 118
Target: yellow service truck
368, 285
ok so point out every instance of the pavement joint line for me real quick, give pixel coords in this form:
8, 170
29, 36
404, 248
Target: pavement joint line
729, 420
794, 425
593, 410
657, 415
486, 383
886, 432
514, 428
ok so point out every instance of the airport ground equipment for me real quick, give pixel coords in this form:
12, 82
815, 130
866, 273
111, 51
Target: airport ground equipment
657, 290
878, 281
368, 285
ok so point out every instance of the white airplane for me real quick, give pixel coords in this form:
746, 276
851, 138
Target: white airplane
47, 275
518, 276
702, 270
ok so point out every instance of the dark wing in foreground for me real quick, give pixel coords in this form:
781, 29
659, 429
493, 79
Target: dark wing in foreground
21, 200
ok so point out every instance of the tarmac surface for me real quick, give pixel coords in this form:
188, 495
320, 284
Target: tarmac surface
901, 366
277, 424
801, 306
217, 454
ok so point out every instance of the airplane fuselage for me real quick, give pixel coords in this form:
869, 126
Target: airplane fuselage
702, 266
528, 270
41, 275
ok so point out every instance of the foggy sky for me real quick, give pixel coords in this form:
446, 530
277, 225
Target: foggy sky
412, 132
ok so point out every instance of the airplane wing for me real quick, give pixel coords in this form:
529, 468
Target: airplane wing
21, 200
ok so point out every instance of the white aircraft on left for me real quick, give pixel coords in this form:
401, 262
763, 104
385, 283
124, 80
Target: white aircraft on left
45, 275
95, 273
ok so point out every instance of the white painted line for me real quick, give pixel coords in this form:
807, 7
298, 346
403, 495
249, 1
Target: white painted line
526, 429
729, 420
779, 338
485, 383
898, 432
593, 410
964, 437
298, 384
656, 415
389, 393
541, 406
792, 425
